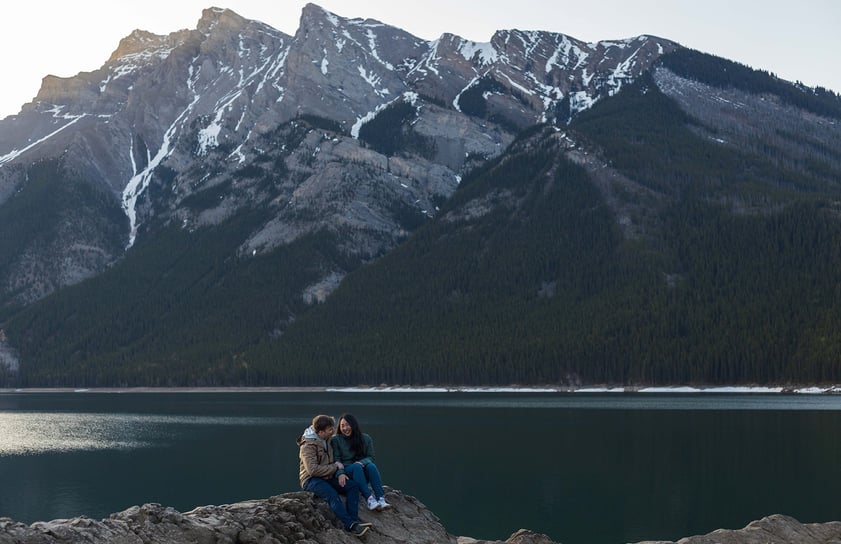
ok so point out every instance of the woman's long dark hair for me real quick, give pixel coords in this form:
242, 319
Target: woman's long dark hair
355, 440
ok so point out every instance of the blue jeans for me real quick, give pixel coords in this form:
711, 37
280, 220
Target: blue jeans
329, 490
365, 475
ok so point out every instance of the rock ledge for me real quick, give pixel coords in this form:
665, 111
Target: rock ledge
301, 517
775, 529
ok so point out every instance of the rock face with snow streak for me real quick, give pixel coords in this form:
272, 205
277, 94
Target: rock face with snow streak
237, 109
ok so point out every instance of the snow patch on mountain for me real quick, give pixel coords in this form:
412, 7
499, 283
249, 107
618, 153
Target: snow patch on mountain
56, 111
564, 54
372, 44
324, 63
140, 181
373, 80
485, 52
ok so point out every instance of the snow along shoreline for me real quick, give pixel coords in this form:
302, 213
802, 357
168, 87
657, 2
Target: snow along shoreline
593, 389
677, 389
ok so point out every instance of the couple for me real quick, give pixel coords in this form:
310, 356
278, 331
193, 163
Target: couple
341, 464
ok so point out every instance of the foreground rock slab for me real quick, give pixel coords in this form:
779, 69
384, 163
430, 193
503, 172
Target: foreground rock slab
776, 529
302, 518
291, 517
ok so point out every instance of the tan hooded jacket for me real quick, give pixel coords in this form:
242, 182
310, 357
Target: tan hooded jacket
316, 458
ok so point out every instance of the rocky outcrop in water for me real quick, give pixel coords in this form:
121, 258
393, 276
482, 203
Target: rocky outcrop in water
301, 517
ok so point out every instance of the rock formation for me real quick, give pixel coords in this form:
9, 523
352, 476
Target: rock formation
199, 126
291, 517
301, 517
776, 529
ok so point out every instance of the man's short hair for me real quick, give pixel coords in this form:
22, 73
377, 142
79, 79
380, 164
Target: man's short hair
321, 422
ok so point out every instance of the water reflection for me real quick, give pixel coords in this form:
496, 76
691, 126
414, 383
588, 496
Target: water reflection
33, 433
28, 433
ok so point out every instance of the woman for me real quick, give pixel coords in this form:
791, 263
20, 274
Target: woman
355, 450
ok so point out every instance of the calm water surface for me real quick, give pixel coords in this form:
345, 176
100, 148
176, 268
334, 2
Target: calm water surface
582, 468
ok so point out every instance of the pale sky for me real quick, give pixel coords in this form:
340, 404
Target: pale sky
798, 40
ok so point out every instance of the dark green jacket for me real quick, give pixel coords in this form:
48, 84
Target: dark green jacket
343, 453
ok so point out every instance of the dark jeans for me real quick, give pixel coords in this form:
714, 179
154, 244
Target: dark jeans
365, 475
329, 490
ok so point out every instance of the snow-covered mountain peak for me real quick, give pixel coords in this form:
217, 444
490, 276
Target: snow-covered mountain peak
169, 120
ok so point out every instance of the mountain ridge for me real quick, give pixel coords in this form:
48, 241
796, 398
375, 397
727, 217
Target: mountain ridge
240, 148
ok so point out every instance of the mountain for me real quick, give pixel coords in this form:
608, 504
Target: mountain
232, 205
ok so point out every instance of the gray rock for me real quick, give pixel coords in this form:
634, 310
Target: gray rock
291, 517
775, 529
523, 536
302, 517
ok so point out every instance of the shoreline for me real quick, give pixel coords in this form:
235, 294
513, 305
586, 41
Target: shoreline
676, 389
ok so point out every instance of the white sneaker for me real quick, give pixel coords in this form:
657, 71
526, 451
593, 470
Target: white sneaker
373, 504
381, 504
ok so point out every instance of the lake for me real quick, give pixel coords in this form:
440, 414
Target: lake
594, 468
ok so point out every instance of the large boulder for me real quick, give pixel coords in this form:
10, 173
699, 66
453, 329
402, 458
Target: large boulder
291, 517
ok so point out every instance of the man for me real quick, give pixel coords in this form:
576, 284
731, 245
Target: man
327, 479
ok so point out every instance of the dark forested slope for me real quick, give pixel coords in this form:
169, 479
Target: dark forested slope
527, 278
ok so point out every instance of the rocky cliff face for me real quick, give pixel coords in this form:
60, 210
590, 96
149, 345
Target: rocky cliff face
301, 517
196, 127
